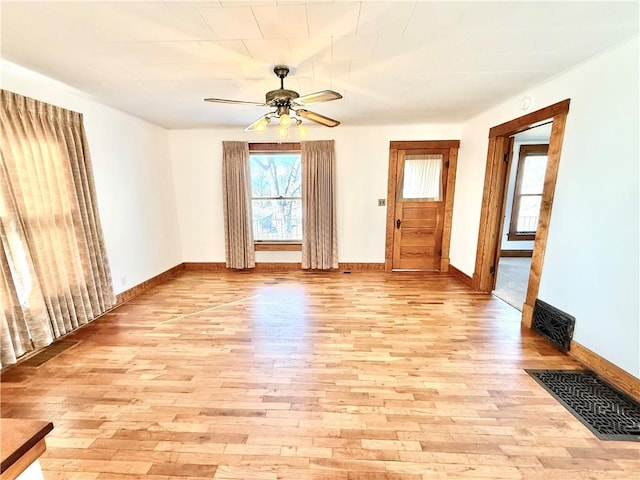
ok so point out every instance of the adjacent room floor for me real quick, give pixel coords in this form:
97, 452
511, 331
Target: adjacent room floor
513, 278
301, 376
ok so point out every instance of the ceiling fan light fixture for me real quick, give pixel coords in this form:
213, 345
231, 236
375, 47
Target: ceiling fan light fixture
283, 132
302, 131
285, 120
261, 126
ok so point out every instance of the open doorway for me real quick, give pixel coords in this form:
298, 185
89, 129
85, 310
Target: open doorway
523, 194
491, 213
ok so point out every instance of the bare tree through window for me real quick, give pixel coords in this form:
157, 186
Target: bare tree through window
276, 196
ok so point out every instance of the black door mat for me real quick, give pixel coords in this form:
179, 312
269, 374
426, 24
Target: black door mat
607, 412
48, 353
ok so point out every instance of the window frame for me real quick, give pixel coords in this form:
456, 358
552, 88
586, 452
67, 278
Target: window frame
525, 151
272, 148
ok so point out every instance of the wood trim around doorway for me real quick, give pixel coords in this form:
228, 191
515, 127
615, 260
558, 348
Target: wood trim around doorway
494, 186
394, 146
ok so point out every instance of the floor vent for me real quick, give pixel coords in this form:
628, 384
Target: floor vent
53, 350
553, 324
609, 413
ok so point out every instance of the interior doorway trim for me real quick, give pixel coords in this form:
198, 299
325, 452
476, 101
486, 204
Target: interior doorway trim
491, 214
394, 146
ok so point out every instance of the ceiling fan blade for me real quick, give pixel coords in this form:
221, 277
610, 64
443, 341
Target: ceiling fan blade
323, 96
224, 100
316, 117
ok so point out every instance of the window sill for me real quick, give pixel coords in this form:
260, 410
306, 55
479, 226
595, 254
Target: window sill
278, 246
515, 237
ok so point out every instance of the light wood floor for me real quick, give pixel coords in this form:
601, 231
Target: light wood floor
367, 376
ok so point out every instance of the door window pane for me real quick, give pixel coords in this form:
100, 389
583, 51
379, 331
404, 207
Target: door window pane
422, 177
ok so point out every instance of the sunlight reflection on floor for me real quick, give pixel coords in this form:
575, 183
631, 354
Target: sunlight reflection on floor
281, 319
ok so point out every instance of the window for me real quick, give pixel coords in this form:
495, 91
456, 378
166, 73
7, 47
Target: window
532, 165
422, 178
46, 209
54, 276
276, 193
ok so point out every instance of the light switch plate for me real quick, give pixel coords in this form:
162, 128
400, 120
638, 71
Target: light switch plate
382, 202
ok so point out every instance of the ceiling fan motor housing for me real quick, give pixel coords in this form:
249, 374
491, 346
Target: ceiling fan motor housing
280, 97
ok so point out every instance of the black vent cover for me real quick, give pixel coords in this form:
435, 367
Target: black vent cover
607, 412
553, 324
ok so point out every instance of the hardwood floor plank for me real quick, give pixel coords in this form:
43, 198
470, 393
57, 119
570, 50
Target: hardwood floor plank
245, 473
71, 475
308, 376
183, 470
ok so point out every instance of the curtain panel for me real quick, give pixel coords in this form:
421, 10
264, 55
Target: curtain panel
319, 233
236, 201
54, 267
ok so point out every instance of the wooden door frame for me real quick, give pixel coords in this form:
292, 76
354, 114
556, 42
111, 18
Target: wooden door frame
494, 186
394, 146
507, 174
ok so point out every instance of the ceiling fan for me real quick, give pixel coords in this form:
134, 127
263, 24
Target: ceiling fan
287, 104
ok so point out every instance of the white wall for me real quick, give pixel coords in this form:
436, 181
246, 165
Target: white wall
132, 171
362, 159
591, 267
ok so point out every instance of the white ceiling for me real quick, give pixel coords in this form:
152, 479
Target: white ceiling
394, 62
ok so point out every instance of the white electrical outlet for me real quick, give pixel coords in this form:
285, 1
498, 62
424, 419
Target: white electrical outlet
123, 280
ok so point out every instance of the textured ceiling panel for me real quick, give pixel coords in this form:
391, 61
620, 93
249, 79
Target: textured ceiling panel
394, 61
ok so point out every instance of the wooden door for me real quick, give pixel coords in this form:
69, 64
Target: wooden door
421, 182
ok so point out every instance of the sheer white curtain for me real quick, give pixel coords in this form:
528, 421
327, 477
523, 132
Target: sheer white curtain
319, 234
54, 272
236, 200
422, 176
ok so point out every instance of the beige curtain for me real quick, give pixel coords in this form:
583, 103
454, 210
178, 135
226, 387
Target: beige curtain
236, 201
319, 238
55, 272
